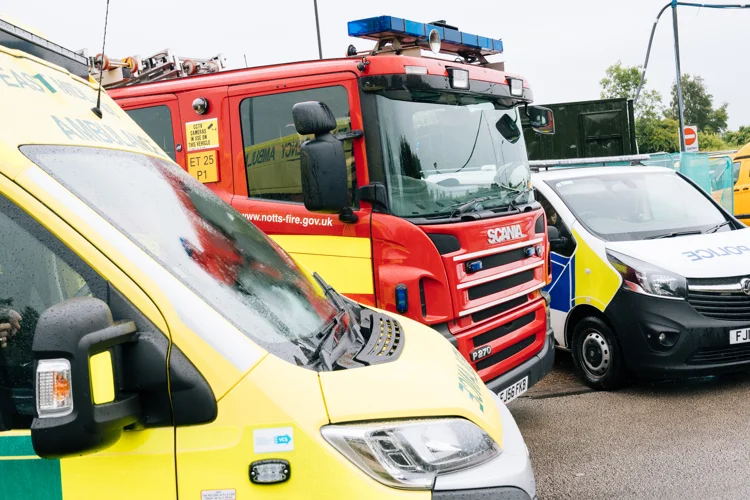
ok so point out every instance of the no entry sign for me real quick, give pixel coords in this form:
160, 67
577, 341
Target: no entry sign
691, 139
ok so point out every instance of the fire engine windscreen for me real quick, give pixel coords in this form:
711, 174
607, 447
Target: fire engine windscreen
444, 150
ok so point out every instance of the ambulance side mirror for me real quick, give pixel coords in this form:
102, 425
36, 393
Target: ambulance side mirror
80, 405
322, 159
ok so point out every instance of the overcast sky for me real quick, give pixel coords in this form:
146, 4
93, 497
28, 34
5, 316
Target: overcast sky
561, 47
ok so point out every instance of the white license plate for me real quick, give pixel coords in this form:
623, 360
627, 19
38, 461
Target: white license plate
510, 393
739, 336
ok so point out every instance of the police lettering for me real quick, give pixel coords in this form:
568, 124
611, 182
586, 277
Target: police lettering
710, 253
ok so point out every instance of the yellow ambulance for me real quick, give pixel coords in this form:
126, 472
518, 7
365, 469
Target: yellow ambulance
156, 345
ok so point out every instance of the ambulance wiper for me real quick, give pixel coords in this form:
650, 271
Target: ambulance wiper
672, 235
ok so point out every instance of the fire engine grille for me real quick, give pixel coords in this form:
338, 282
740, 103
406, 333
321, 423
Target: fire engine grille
505, 353
386, 339
503, 330
500, 285
720, 299
499, 309
502, 259
732, 354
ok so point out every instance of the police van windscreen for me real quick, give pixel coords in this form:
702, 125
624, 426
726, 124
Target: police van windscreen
441, 150
636, 206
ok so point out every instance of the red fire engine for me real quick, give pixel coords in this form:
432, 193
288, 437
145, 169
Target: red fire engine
416, 197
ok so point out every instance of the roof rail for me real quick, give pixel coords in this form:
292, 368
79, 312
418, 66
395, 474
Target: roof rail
13, 37
537, 165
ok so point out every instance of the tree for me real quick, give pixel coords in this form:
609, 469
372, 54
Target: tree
622, 81
737, 138
710, 141
698, 106
657, 135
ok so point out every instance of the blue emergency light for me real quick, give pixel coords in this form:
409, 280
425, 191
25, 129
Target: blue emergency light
451, 40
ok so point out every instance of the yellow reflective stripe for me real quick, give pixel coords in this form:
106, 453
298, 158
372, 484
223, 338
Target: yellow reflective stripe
102, 378
596, 281
344, 262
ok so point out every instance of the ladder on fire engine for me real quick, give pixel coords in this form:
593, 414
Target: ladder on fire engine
164, 65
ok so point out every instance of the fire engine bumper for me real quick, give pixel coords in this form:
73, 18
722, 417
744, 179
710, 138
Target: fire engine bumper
534, 368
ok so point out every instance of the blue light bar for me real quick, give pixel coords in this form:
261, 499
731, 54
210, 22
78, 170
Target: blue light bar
452, 41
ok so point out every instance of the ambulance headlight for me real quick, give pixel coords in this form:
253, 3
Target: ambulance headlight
411, 453
645, 278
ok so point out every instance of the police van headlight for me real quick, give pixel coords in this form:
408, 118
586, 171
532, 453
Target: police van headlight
645, 278
411, 453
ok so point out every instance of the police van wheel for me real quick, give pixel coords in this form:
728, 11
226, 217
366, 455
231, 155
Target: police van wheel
597, 355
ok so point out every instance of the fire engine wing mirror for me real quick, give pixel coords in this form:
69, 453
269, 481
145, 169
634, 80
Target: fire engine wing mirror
322, 160
541, 119
80, 407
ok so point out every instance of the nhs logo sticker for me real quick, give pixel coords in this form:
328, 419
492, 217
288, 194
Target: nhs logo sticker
273, 440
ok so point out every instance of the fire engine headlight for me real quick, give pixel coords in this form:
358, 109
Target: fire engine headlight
516, 87
411, 453
645, 278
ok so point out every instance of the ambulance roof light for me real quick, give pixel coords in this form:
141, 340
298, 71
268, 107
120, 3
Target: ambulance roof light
18, 38
452, 40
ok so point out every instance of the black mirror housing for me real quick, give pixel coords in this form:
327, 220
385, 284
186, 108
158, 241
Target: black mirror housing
541, 119
553, 233
75, 330
322, 159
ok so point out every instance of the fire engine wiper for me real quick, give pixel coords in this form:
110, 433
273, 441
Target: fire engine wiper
471, 205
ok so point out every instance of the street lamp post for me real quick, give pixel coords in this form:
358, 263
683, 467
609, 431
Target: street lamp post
678, 81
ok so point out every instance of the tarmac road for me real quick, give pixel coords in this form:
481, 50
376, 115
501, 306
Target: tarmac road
687, 439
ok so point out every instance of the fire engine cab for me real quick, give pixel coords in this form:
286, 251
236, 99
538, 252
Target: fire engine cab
400, 176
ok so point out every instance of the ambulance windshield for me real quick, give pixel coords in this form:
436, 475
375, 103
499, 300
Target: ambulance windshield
200, 240
443, 151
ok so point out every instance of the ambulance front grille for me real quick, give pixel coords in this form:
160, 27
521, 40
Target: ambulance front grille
386, 338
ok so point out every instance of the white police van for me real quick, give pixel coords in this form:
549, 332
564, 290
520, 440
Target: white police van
649, 274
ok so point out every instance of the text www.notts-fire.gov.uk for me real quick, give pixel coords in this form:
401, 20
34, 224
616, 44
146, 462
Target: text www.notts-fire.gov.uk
290, 219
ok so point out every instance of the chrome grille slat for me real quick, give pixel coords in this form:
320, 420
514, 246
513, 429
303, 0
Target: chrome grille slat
720, 298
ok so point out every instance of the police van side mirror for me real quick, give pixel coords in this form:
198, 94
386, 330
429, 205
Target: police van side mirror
322, 160
80, 407
556, 242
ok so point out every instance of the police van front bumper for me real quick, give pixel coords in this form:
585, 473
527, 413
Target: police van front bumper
669, 337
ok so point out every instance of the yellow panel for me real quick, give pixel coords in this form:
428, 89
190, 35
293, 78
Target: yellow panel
596, 282
275, 395
204, 166
342, 246
345, 275
102, 378
139, 465
342, 261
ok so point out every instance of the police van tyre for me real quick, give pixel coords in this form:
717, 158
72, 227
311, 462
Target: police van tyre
597, 355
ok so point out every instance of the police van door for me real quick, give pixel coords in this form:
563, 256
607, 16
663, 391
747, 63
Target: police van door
46, 265
268, 187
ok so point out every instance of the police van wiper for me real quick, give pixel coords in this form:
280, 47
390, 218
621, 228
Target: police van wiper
716, 227
672, 235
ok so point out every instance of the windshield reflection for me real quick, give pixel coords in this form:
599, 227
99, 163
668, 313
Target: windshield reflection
202, 241
443, 150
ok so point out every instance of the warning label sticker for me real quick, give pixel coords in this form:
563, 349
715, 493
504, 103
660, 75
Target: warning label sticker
202, 134
218, 495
